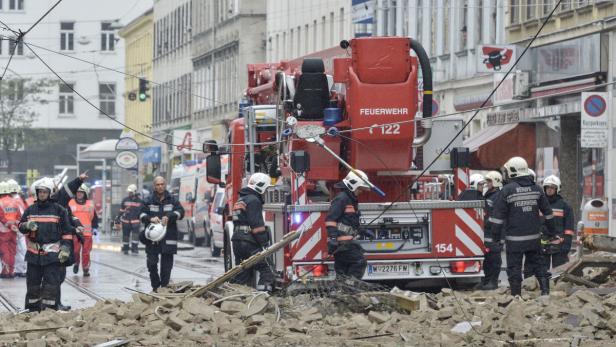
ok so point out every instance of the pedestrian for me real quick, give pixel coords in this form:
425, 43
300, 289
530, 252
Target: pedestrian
83, 209
49, 237
475, 189
161, 208
342, 223
8, 238
516, 210
20, 203
492, 260
250, 235
129, 217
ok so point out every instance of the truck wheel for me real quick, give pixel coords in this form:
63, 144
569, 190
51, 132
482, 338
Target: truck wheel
215, 250
227, 252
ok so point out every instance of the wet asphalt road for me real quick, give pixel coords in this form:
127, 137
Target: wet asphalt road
111, 271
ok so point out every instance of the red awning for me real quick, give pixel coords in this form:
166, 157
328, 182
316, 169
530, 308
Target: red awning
493, 146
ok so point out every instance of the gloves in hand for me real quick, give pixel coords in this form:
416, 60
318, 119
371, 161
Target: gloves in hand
79, 230
332, 245
31, 225
63, 255
79, 238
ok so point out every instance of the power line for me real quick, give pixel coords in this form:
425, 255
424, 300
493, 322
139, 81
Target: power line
42, 17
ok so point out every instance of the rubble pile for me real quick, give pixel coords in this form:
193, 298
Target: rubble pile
569, 316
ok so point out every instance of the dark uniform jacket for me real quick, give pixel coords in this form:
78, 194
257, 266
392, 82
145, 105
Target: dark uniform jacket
248, 212
517, 208
490, 198
470, 195
154, 207
343, 216
54, 232
131, 207
563, 220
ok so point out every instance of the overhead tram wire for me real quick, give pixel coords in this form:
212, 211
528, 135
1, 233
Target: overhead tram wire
42, 17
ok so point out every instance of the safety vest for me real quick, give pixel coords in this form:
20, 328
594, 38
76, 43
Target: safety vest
85, 214
12, 209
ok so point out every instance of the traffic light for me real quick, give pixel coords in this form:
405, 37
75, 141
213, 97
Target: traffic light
143, 89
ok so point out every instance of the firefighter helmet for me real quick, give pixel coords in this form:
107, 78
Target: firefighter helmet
259, 182
84, 188
516, 167
532, 174
354, 181
552, 181
496, 178
45, 183
131, 189
475, 180
13, 186
155, 232
4, 188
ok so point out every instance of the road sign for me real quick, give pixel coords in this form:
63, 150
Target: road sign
594, 120
127, 144
127, 159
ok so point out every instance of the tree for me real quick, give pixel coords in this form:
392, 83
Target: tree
19, 100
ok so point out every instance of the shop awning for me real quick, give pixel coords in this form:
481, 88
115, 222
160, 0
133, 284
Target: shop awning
491, 147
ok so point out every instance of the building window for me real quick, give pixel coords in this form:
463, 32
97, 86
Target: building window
16, 48
16, 5
1, 37
67, 35
565, 6
15, 90
514, 9
107, 95
107, 37
548, 5
66, 100
531, 8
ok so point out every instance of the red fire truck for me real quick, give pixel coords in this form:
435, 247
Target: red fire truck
353, 107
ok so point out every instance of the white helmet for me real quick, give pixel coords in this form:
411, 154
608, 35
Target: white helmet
353, 181
13, 186
84, 188
45, 183
155, 232
475, 180
552, 181
4, 188
259, 182
496, 178
516, 167
532, 174
131, 189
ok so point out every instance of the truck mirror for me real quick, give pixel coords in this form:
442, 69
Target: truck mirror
210, 146
213, 168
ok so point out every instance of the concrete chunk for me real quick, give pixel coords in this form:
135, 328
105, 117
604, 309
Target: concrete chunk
232, 307
378, 317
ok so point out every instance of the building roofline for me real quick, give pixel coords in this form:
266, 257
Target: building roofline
133, 24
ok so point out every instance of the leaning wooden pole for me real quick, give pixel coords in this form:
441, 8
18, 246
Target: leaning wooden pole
600, 243
246, 264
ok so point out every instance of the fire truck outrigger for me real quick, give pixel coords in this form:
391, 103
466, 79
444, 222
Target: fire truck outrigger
314, 118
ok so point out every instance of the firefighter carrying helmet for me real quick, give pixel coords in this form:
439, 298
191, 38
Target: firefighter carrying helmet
259, 182
496, 178
131, 189
552, 181
84, 188
475, 180
516, 167
354, 181
155, 232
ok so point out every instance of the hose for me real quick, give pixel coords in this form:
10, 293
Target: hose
426, 73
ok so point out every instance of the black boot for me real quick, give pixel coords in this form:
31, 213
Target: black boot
63, 307
75, 268
134, 248
86, 273
516, 288
544, 285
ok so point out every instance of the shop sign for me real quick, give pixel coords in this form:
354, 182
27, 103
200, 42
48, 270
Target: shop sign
594, 120
503, 117
569, 58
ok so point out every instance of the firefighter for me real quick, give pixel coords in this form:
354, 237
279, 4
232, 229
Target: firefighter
517, 209
161, 208
475, 189
83, 209
49, 237
563, 221
20, 262
492, 261
129, 217
250, 235
8, 238
342, 224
